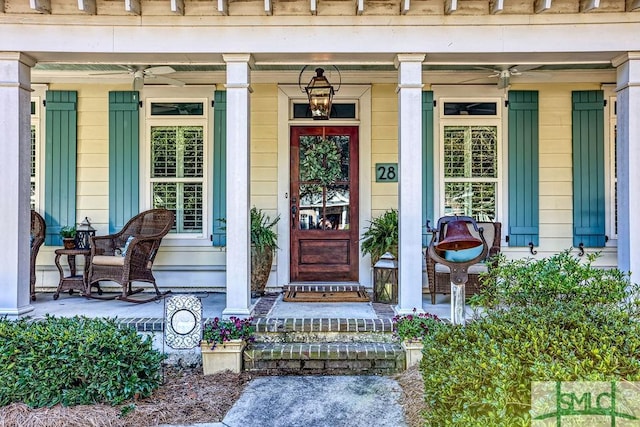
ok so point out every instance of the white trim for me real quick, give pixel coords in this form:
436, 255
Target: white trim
287, 94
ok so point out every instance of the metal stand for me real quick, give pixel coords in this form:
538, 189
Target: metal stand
457, 304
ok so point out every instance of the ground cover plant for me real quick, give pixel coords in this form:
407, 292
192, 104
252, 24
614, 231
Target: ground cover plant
75, 361
557, 319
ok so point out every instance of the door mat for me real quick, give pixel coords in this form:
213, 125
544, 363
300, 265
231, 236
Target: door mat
296, 295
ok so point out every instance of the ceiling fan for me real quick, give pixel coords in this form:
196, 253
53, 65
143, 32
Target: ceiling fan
142, 73
504, 73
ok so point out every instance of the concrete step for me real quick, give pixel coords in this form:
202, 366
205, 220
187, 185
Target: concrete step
323, 330
345, 358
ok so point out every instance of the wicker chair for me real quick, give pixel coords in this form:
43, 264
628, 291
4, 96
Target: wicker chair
38, 231
438, 274
128, 255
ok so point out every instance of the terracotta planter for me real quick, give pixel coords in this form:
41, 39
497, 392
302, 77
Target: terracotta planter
261, 262
69, 243
227, 356
413, 352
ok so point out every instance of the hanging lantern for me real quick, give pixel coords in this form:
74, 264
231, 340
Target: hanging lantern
84, 233
385, 280
320, 93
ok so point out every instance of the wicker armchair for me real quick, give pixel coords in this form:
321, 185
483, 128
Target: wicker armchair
438, 274
38, 231
128, 255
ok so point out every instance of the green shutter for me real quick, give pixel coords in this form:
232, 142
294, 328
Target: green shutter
523, 168
60, 162
219, 237
588, 169
427, 168
124, 158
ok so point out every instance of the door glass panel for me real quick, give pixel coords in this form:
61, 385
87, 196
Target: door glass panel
324, 183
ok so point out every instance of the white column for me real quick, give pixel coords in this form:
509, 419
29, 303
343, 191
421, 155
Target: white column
15, 152
628, 159
410, 182
238, 193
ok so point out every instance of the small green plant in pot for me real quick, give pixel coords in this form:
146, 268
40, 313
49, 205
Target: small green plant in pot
381, 236
264, 241
68, 234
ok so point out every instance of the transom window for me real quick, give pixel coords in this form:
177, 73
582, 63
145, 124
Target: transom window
177, 168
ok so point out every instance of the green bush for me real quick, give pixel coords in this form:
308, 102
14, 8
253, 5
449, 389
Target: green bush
581, 330
75, 361
561, 277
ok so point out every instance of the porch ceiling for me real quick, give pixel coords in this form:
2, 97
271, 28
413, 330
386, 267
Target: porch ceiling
437, 69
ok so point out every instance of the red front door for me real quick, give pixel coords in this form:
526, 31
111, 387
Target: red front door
324, 204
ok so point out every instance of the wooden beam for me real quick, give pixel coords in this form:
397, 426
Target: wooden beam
635, 5
42, 6
496, 6
359, 7
587, 5
177, 7
313, 7
450, 6
133, 6
542, 5
223, 7
268, 7
87, 6
405, 5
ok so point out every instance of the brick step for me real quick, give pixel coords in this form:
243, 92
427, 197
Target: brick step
323, 330
324, 358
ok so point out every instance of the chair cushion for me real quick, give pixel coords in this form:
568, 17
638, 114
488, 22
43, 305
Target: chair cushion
478, 268
463, 255
108, 260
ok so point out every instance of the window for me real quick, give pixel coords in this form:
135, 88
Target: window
470, 159
177, 166
612, 220
35, 151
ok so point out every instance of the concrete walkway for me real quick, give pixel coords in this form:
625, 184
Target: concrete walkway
317, 401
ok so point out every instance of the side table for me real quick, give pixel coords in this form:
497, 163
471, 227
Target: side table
73, 281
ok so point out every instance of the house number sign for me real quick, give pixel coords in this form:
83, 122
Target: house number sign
386, 172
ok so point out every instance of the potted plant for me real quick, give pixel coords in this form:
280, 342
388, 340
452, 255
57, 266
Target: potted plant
223, 342
68, 234
411, 330
381, 236
263, 244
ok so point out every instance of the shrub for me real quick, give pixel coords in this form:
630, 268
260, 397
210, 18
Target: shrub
562, 277
555, 319
75, 361
481, 374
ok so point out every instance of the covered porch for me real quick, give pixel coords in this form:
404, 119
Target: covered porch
397, 71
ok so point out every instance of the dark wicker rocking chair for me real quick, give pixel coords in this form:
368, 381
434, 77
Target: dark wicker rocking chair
38, 231
127, 256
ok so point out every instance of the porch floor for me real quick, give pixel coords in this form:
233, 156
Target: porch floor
213, 304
